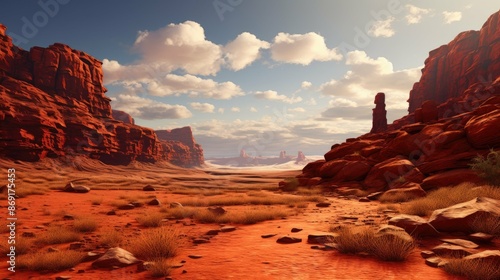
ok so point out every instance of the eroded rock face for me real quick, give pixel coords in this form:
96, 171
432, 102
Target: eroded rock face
454, 116
54, 104
379, 121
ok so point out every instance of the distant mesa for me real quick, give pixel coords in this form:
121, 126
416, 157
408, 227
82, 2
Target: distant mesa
454, 115
54, 105
245, 160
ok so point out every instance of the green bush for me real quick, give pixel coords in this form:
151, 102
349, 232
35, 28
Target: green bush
488, 167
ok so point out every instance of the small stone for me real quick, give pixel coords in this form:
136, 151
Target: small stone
451, 250
374, 196
111, 213
28, 234
200, 241
217, 210
175, 205
81, 189
323, 204
288, 240
227, 229
213, 232
52, 249
268, 235
433, 261
194, 257
462, 242
149, 188
137, 204
179, 265
154, 202
315, 247
319, 238
294, 230
91, 256
364, 199
126, 207
427, 254
63, 277
481, 237
69, 187
115, 257
68, 217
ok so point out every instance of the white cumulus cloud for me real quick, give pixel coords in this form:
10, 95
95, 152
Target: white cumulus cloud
450, 17
149, 109
273, 95
305, 85
302, 48
203, 107
415, 14
243, 51
382, 28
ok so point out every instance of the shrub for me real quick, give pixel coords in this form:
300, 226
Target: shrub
159, 243
160, 268
476, 269
488, 167
247, 217
50, 261
58, 235
487, 224
85, 224
111, 238
291, 184
394, 246
150, 219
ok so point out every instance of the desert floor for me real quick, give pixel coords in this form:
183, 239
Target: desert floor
240, 254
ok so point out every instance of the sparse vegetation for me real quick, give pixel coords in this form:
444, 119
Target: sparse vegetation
394, 246
111, 238
396, 197
85, 224
247, 217
243, 199
150, 219
50, 261
155, 244
454, 195
291, 184
160, 268
473, 269
58, 235
487, 224
488, 167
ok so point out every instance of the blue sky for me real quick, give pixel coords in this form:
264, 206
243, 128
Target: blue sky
254, 74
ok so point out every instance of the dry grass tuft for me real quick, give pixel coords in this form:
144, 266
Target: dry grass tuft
487, 224
395, 246
154, 244
85, 224
111, 238
58, 235
179, 212
396, 197
247, 217
50, 261
454, 195
150, 219
473, 269
160, 268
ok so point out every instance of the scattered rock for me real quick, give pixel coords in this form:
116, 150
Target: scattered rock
323, 204
217, 210
81, 189
227, 229
414, 225
149, 188
268, 235
451, 250
427, 254
461, 242
68, 217
364, 199
76, 245
195, 257
28, 234
200, 241
115, 257
288, 240
213, 232
92, 256
481, 237
319, 238
374, 196
486, 257
137, 204
460, 217
294, 230
175, 205
434, 262
111, 213
69, 187
129, 206
154, 202
63, 277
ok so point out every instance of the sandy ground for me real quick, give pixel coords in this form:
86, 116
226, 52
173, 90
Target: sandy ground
241, 254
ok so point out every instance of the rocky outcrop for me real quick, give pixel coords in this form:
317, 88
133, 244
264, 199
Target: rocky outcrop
470, 61
454, 116
180, 146
54, 105
122, 116
379, 114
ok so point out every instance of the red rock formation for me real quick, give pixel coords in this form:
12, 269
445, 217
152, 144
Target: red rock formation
122, 116
453, 119
181, 141
469, 59
54, 104
379, 114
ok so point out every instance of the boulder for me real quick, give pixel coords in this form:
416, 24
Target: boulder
461, 217
450, 250
383, 173
410, 192
450, 178
414, 225
288, 240
482, 130
115, 257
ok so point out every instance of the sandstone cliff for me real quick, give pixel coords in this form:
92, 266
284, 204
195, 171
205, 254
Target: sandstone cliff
454, 116
54, 104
